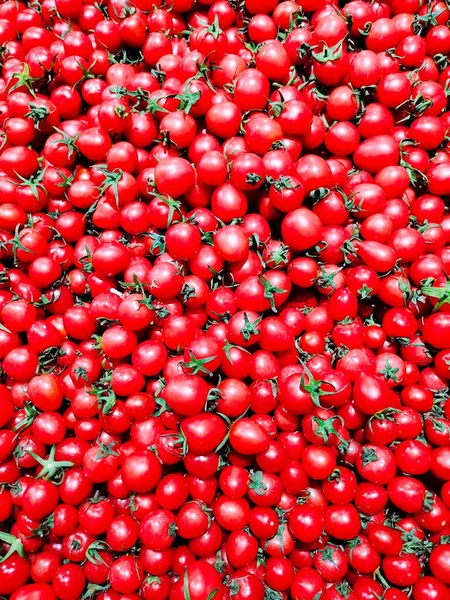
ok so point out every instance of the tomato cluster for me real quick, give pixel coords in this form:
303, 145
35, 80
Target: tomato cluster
224, 300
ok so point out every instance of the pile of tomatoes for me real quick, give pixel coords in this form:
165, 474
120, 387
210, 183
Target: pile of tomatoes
224, 300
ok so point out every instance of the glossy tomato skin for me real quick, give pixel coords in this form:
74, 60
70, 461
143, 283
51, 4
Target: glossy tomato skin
141, 471
301, 229
428, 587
201, 580
35, 591
438, 563
15, 572
306, 584
247, 437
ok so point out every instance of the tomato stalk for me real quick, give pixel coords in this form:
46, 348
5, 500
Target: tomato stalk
16, 244
93, 590
197, 365
257, 483
52, 470
104, 393
368, 455
25, 79
30, 414
112, 179
270, 290
442, 294
187, 99
325, 429
413, 545
14, 543
387, 414
389, 372
37, 114
313, 387
92, 552
329, 53
249, 328
105, 450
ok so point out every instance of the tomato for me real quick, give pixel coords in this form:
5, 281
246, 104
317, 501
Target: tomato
251, 89
201, 579
35, 591
427, 587
125, 574
141, 471
186, 394
306, 523
68, 581
248, 437
342, 522
306, 584
174, 176
399, 570
224, 307
158, 530
440, 462
435, 327
301, 229
407, 493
